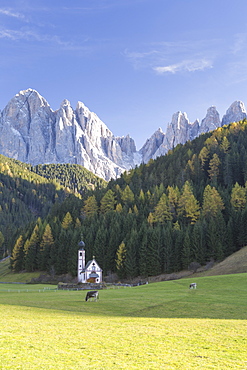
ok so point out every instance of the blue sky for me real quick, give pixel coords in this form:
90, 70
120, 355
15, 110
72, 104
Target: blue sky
133, 62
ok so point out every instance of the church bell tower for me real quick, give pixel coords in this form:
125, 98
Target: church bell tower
81, 262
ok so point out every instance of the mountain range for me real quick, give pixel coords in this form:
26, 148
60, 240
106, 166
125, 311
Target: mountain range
32, 132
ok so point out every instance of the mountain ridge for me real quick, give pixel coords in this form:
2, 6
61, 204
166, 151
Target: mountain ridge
32, 132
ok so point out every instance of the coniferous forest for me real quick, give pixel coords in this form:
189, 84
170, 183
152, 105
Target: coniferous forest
182, 209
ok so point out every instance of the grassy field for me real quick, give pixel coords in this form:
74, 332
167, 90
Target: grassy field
157, 326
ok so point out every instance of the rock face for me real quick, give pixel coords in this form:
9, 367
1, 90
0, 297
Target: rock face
211, 121
235, 113
32, 132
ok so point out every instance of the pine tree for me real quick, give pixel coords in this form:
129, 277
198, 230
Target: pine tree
77, 223
212, 202
153, 258
90, 206
17, 255
46, 244
130, 260
188, 205
127, 196
114, 240
61, 250
120, 260
167, 244
177, 247
162, 212
173, 199
227, 171
141, 197
203, 156
238, 197
100, 247
214, 170
31, 250
197, 243
143, 242
216, 234
150, 219
67, 221
108, 202
186, 251
119, 208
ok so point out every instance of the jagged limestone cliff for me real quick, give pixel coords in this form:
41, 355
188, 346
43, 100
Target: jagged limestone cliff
32, 132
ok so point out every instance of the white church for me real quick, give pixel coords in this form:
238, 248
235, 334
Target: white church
89, 272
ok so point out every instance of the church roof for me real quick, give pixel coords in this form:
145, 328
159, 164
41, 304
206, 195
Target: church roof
89, 263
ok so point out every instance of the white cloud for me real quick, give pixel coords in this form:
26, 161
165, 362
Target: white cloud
25, 34
193, 56
29, 35
185, 66
10, 13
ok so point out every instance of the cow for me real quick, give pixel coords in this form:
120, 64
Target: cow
193, 286
92, 294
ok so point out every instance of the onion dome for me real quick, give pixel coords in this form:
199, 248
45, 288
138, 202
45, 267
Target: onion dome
81, 245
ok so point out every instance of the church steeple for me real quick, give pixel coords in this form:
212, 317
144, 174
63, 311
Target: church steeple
81, 261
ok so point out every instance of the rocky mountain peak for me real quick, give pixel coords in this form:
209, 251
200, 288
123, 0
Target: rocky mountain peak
32, 132
179, 120
151, 145
32, 98
235, 113
211, 121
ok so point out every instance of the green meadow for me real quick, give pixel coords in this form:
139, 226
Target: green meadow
156, 326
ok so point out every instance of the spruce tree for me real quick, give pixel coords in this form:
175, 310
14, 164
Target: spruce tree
162, 211
67, 221
120, 260
166, 249
188, 205
214, 169
46, 244
127, 196
212, 202
17, 256
186, 251
143, 242
238, 197
31, 250
90, 206
153, 257
108, 202
130, 260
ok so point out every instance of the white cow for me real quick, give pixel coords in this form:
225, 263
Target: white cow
193, 286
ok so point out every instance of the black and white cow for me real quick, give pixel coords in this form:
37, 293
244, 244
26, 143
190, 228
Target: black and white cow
92, 294
193, 286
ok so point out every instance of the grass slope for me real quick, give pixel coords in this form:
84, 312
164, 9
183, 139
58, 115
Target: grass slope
157, 326
235, 263
7, 276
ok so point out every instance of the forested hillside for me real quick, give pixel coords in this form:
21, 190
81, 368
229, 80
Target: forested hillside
182, 209
27, 193
72, 176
